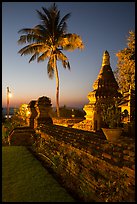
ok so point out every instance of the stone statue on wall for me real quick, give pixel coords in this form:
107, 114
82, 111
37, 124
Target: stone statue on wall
43, 108
32, 113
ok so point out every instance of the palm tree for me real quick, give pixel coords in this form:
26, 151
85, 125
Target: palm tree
47, 41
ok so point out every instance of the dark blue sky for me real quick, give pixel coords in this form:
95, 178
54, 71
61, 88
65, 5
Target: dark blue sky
102, 26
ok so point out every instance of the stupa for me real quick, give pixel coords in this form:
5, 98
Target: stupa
105, 88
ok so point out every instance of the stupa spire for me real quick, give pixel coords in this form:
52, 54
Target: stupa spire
106, 59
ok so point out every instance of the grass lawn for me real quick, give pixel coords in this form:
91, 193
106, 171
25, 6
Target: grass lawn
24, 179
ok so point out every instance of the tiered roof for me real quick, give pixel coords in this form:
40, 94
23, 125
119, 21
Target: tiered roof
106, 84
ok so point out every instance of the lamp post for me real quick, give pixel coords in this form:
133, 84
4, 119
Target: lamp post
8, 96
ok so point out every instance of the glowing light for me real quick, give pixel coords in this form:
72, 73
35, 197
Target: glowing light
10, 94
28, 113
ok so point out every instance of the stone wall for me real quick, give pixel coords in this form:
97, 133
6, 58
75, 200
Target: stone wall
21, 136
67, 122
88, 165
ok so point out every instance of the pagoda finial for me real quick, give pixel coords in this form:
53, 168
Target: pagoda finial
106, 59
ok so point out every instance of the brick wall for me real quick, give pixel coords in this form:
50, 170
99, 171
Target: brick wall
67, 122
89, 165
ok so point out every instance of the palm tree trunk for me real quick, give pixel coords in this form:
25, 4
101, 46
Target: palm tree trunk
57, 86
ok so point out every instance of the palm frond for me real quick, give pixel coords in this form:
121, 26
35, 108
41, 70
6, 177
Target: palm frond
47, 12
30, 49
68, 65
62, 41
23, 39
74, 42
50, 67
47, 21
40, 29
44, 56
33, 57
57, 18
53, 10
63, 20
64, 28
64, 63
30, 38
50, 71
26, 30
51, 15
44, 18
63, 59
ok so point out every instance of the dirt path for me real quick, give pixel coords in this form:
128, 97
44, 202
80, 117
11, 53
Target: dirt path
24, 179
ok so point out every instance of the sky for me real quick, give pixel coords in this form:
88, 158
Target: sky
101, 25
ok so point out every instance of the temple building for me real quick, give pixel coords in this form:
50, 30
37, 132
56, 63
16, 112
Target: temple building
105, 90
